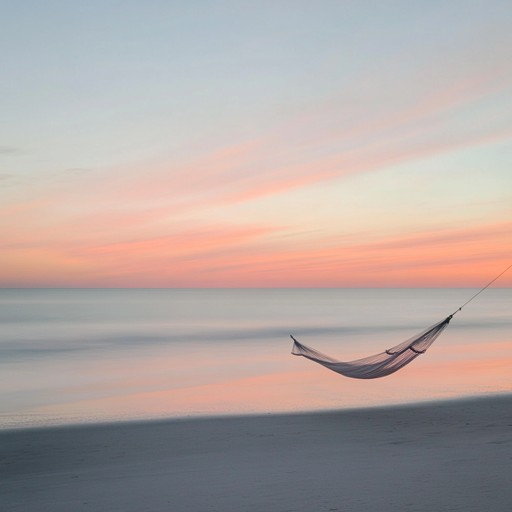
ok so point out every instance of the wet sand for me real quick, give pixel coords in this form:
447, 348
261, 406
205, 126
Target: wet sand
437, 456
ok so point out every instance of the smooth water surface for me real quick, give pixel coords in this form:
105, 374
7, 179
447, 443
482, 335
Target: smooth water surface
82, 355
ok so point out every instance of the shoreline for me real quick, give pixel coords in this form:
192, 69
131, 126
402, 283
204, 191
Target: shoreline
93, 423
443, 455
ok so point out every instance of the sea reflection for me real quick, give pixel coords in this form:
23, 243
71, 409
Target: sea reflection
89, 373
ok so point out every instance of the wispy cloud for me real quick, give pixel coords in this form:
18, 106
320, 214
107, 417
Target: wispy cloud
325, 144
262, 256
192, 217
10, 151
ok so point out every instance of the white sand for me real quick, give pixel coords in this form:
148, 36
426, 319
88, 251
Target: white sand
435, 457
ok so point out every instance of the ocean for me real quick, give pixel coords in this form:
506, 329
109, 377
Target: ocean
71, 356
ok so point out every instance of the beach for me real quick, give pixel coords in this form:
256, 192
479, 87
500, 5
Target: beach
450, 455
256, 257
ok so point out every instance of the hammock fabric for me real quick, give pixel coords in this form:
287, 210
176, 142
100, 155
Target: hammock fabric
379, 365
389, 361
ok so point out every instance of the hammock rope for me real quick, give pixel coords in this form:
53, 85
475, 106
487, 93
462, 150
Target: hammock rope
389, 361
484, 288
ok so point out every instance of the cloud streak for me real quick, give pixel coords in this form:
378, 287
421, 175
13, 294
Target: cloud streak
214, 217
254, 256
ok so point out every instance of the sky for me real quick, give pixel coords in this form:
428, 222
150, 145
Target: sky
255, 144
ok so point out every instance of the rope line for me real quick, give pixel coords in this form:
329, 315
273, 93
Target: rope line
484, 288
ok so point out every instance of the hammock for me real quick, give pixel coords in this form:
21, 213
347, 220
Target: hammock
387, 362
379, 365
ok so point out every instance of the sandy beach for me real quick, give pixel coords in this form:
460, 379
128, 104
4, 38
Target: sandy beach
438, 456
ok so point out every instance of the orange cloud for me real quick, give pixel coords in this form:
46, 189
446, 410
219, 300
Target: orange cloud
149, 224
448, 258
260, 256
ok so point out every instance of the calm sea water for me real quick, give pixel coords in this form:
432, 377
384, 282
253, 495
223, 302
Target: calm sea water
75, 356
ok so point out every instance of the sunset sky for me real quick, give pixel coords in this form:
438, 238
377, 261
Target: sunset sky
255, 143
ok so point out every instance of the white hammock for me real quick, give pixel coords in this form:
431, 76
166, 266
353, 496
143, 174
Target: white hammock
379, 365
390, 360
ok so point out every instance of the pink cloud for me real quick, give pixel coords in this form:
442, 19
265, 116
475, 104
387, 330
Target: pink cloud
148, 223
317, 145
251, 255
448, 258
